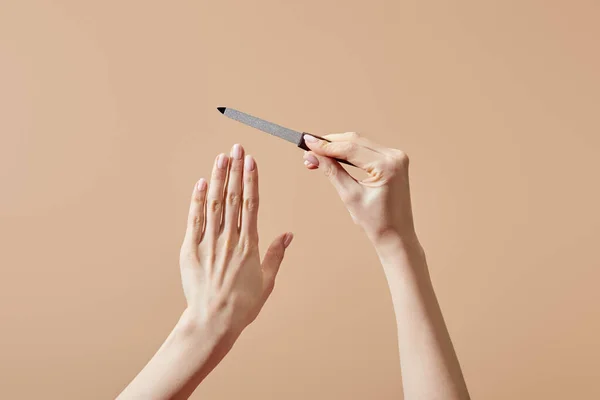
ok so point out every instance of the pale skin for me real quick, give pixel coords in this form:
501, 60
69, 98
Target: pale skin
226, 283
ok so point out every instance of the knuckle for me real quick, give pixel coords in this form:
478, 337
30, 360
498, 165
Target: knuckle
388, 164
214, 205
400, 157
197, 221
352, 135
330, 171
251, 203
380, 171
405, 160
229, 244
247, 245
249, 178
396, 162
233, 199
199, 198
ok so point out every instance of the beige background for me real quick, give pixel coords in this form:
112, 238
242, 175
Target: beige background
107, 118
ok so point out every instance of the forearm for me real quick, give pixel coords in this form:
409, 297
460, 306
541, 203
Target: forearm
430, 368
186, 357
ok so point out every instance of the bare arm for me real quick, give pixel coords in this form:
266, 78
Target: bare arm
187, 356
224, 281
381, 205
430, 368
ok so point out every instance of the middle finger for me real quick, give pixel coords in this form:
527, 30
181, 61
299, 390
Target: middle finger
233, 193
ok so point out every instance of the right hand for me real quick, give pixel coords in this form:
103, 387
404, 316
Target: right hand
381, 203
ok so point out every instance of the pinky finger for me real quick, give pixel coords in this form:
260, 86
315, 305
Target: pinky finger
195, 223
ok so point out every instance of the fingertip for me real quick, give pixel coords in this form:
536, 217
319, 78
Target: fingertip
287, 239
310, 159
249, 163
237, 151
201, 185
310, 166
222, 160
313, 143
310, 139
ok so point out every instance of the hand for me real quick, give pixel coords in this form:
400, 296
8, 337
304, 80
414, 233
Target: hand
224, 282
221, 270
381, 203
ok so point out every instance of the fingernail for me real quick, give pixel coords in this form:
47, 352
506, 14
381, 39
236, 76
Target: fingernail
201, 185
222, 161
236, 152
249, 163
311, 159
287, 239
310, 139
306, 163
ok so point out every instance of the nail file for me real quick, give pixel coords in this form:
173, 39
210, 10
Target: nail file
273, 129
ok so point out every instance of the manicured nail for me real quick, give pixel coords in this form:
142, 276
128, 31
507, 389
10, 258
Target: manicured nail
249, 163
287, 239
236, 152
201, 185
306, 163
310, 139
222, 161
311, 159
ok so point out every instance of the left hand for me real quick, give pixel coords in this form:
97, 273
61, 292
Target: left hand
222, 274
224, 281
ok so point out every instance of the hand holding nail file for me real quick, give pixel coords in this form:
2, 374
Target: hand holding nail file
273, 129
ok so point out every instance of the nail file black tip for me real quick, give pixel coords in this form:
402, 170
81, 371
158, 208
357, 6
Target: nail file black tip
222, 109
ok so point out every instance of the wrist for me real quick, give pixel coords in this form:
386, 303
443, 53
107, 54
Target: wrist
192, 350
394, 240
392, 246
215, 330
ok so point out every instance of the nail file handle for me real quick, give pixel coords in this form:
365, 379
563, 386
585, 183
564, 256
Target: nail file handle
303, 146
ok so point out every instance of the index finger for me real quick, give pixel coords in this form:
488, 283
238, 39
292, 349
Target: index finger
355, 137
359, 155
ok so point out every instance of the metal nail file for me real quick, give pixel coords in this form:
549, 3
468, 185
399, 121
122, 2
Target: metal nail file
273, 129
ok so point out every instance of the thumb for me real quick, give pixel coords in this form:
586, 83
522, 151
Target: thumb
273, 258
